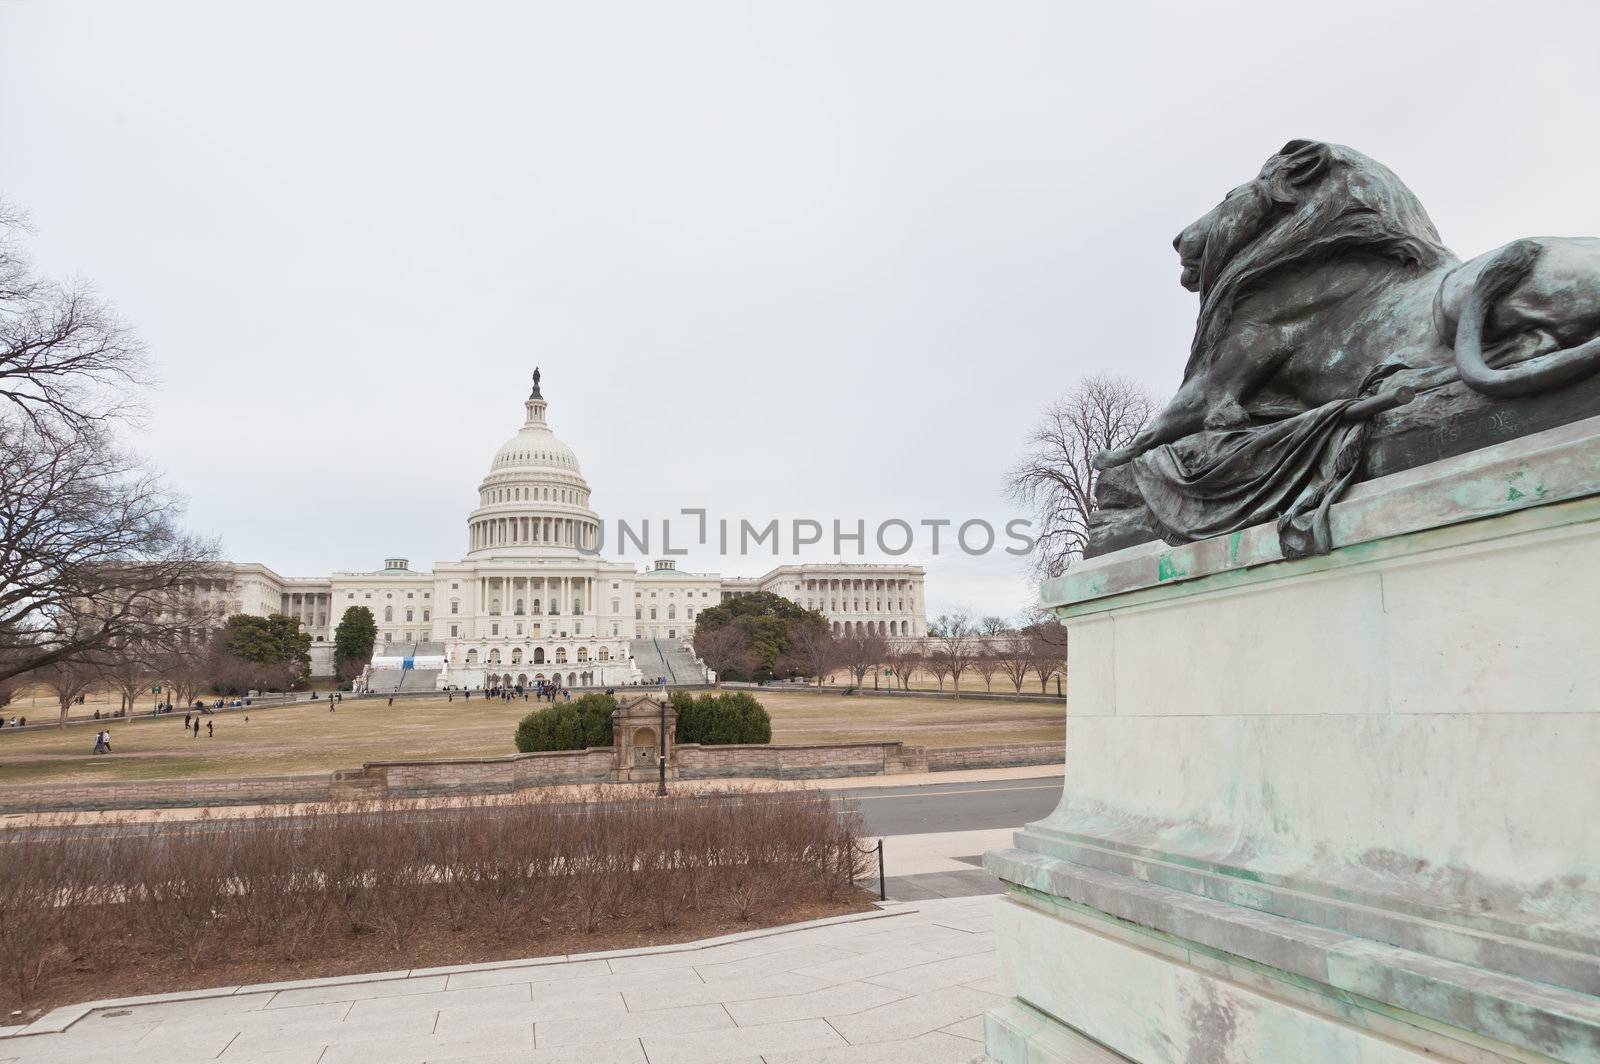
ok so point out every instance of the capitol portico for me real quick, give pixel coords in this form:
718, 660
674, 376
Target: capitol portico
533, 598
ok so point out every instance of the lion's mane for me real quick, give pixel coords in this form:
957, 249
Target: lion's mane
1354, 205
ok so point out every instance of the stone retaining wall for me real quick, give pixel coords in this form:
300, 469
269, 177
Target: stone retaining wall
493, 775
797, 762
515, 772
160, 794
893, 692
999, 755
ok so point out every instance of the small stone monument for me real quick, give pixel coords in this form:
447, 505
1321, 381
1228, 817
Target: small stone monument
1333, 773
636, 726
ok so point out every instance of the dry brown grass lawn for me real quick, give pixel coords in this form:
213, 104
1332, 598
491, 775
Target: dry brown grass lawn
306, 738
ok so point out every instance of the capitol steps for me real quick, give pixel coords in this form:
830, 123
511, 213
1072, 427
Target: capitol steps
647, 658
414, 680
385, 681
657, 657
681, 665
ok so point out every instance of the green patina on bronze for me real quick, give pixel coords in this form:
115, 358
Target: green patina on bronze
1177, 584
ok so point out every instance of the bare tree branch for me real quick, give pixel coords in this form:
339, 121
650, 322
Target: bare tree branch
1056, 478
91, 554
904, 658
814, 650
725, 647
861, 653
65, 356
952, 644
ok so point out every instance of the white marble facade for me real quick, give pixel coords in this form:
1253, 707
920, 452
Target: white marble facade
533, 597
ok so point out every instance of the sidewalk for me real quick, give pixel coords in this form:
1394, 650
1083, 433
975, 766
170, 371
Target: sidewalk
945, 864
905, 985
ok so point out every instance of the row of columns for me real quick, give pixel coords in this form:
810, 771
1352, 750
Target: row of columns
901, 628
858, 585
526, 531
564, 587
537, 656
310, 608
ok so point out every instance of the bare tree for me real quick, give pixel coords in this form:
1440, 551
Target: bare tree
985, 662
189, 667
952, 643
64, 355
1047, 650
814, 649
1013, 658
129, 668
938, 665
1055, 477
904, 658
725, 647
991, 625
70, 679
91, 553
861, 653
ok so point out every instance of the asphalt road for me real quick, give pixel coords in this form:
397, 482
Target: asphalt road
954, 806
885, 810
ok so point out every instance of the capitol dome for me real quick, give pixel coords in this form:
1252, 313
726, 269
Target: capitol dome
534, 500
535, 446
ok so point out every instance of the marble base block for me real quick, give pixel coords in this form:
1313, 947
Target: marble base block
1329, 809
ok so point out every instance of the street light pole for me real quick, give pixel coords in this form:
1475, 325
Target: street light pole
661, 756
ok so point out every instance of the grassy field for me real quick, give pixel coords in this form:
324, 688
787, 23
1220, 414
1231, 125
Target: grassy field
305, 737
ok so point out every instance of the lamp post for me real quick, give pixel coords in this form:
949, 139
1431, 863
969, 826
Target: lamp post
661, 756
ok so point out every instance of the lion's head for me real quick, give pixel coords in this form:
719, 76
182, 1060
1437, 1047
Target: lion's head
1311, 202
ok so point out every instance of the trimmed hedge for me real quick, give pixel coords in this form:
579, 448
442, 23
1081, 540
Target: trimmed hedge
720, 719
583, 722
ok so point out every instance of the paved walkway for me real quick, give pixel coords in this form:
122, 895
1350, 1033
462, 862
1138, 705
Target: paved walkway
908, 984
945, 864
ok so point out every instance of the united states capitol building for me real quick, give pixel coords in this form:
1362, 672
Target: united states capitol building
534, 599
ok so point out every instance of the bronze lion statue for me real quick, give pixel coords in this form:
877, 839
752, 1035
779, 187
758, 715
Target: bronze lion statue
1323, 286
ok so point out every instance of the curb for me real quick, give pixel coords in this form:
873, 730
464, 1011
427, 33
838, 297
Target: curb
59, 1019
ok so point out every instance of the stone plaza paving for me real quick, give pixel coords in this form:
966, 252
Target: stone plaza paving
908, 983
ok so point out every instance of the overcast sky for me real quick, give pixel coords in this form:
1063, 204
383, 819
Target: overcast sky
775, 260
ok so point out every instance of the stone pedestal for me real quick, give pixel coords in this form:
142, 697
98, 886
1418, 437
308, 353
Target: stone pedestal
636, 728
1343, 808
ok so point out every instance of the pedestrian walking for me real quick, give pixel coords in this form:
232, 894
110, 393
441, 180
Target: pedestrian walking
208, 729
186, 718
391, 700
